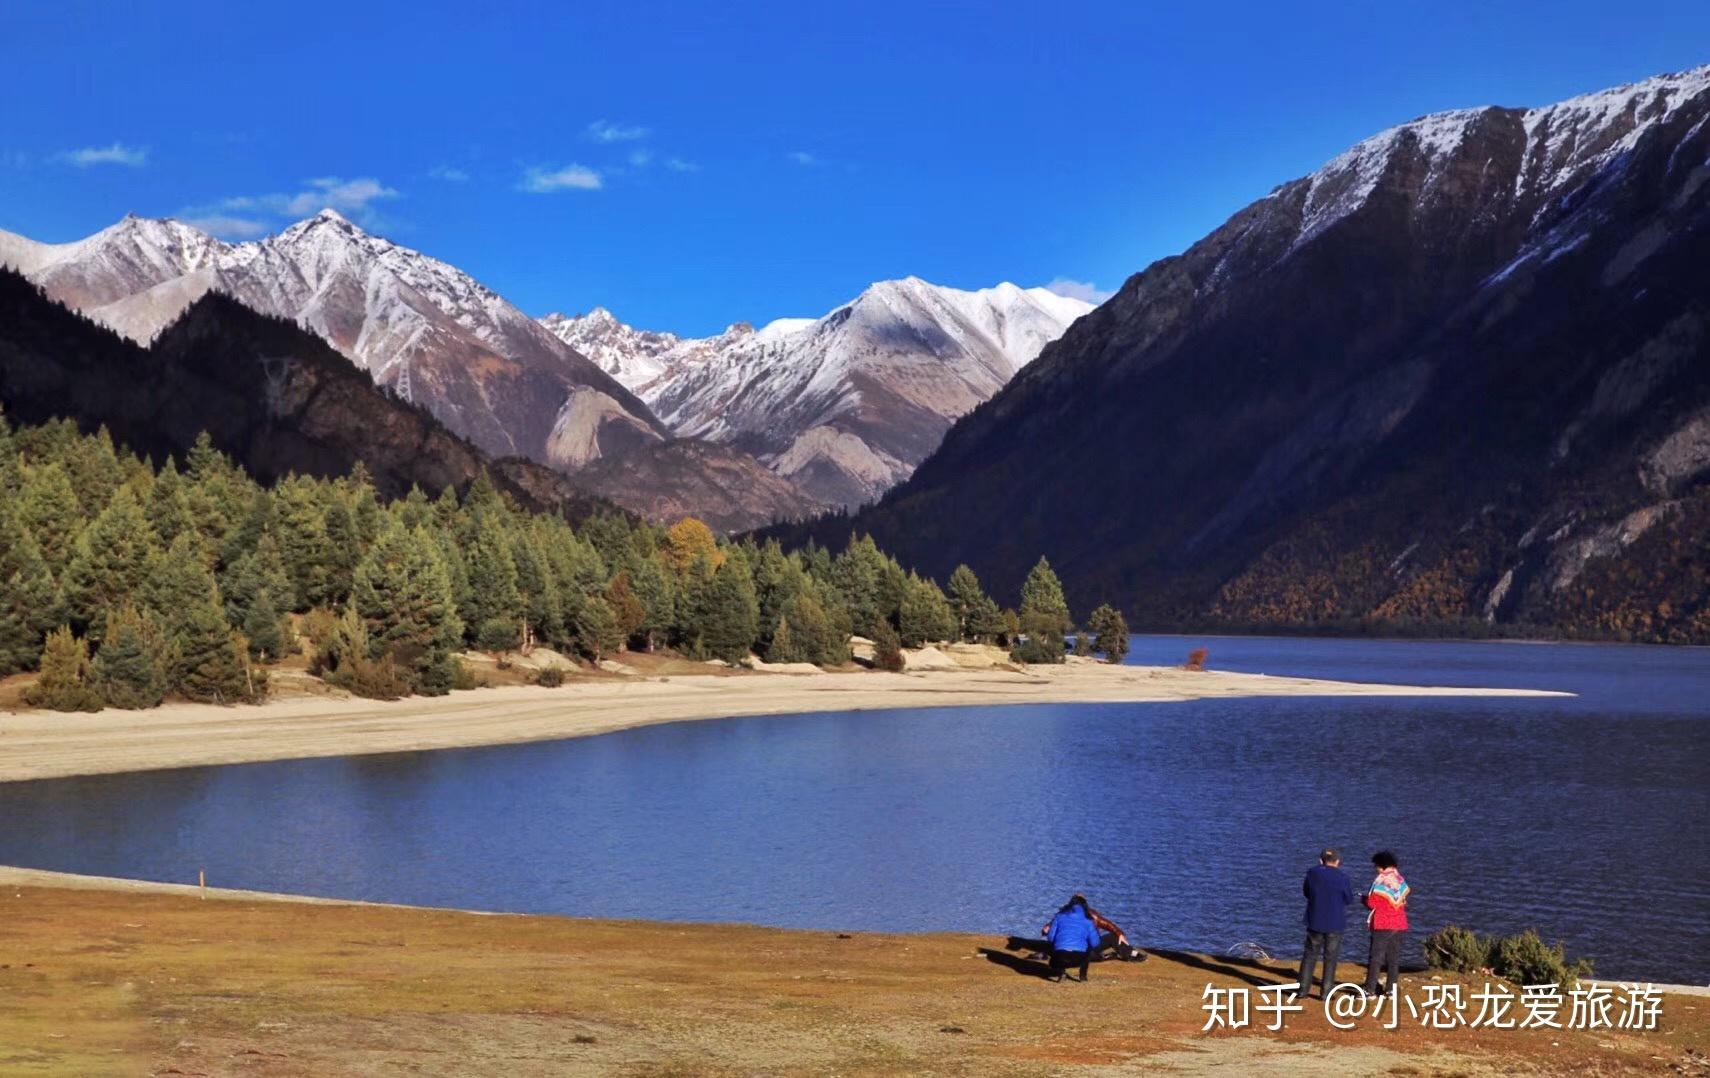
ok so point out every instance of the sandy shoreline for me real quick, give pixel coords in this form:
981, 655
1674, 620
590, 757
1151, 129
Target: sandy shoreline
35, 745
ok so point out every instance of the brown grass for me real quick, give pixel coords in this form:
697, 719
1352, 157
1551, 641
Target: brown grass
103, 982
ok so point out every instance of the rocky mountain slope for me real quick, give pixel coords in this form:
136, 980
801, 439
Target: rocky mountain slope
276, 398
416, 324
729, 490
845, 405
1459, 376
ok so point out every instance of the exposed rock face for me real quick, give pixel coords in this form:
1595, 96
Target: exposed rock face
430, 331
844, 405
275, 397
1459, 372
727, 489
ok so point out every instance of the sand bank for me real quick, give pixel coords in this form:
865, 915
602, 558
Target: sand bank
46, 744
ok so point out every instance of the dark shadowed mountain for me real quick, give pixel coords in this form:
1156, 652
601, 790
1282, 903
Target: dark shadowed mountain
276, 398
1459, 376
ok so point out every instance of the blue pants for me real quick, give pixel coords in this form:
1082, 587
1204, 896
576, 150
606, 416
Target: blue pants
1330, 945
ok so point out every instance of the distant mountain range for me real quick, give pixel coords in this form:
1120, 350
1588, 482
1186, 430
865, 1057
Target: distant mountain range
839, 408
276, 398
1458, 377
844, 405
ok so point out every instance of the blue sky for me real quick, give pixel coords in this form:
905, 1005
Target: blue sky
692, 165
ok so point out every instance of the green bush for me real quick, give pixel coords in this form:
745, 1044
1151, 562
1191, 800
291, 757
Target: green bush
1457, 950
1523, 959
550, 677
464, 679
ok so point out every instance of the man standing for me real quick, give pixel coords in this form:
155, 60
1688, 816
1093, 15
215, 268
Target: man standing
1328, 896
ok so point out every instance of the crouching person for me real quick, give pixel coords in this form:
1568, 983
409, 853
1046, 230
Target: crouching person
1073, 937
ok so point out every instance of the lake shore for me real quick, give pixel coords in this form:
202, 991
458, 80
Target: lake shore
36, 744
117, 977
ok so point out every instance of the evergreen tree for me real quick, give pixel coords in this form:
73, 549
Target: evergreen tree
815, 635
210, 662
495, 603
783, 648
925, 615
728, 613
966, 598
168, 511
596, 628
542, 605
177, 580
1044, 618
887, 647
30, 603
110, 565
63, 684
306, 546
49, 508
264, 628
261, 571
654, 588
94, 469
130, 669
777, 579
344, 549
402, 594
1110, 631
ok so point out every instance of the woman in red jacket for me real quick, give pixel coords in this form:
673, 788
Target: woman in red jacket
1387, 900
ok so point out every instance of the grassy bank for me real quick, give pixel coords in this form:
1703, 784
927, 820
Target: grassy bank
117, 981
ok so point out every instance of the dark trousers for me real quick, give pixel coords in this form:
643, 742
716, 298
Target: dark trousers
1330, 945
1385, 955
1062, 960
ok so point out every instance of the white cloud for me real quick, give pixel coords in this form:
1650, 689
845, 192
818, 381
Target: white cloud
116, 154
229, 227
641, 158
803, 158
1081, 290
448, 174
677, 164
571, 177
606, 131
254, 215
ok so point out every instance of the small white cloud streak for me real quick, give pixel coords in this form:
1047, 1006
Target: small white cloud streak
1085, 291
640, 158
607, 131
677, 164
448, 174
228, 227
116, 154
540, 181
803, 158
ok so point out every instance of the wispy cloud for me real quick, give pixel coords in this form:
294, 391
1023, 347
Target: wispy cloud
229, 227
677, 164
116, 154
607, 131
448, 174
541, 181
803, 158
243, 216
1085, 291
640, 158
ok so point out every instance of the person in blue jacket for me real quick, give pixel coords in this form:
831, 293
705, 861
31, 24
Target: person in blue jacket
1328, 895
1073, 937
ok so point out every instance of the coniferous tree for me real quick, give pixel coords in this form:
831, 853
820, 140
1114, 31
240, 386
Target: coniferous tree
1044, 618
94, 469
130, 669
63, 684
306, 546
783, 647
925, 614
402, 594
596, 628
110, 564
263, 628
210, 662
344, 550
654, 588
887, 647
1110, 632
30, 603
728, 614
543, 609
168, 511
177, 580
966, 601
495, 604
49, 508
815, 634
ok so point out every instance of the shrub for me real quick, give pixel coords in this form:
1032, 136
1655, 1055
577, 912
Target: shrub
1455, 949
375, 679
1196, 659
1523, 959
464, 679
887, 648
64, 681
550, 677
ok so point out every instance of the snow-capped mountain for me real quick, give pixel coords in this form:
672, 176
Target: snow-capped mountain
423, 327
1458, 374
846, 404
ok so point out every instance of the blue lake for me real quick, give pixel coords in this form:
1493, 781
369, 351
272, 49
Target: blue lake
1189, 824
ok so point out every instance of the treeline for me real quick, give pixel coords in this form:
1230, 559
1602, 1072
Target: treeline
124, 583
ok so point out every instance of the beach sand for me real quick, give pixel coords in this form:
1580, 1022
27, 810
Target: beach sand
36, 744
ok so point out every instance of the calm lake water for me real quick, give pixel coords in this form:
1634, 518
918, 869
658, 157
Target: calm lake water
1189, 824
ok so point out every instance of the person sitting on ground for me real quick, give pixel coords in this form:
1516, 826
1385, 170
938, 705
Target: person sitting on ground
1387, 900
1073, 938
1328, 896
1110, 937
